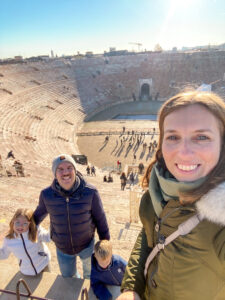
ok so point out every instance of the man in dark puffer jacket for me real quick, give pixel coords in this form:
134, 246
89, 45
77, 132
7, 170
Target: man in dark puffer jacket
75, 211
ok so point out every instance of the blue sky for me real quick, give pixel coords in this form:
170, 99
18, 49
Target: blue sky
35, 27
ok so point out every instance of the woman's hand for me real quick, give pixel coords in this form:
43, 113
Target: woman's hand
130, 295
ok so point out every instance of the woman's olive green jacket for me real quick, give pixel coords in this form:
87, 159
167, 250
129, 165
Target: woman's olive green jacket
192, 267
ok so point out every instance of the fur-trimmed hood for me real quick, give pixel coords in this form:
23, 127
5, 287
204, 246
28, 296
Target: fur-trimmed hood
212, 205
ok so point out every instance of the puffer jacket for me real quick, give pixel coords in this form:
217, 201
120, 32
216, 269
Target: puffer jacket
192, 266
73, 219
33, 257
112, 275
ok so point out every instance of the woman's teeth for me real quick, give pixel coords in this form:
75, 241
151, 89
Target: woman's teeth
187, 168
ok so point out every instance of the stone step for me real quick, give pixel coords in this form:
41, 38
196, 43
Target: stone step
46, 285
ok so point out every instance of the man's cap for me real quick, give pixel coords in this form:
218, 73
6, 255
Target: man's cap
60, 159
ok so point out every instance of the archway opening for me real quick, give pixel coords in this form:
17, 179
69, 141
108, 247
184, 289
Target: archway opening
145, 92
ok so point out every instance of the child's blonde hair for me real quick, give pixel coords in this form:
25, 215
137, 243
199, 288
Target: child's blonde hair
103, 249
28, 214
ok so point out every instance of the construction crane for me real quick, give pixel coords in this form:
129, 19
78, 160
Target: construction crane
138, 44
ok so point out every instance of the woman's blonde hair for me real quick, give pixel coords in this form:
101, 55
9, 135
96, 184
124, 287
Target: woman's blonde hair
214, 104
28, 214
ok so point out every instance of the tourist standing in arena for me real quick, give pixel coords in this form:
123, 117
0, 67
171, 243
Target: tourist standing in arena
186, 185
123, 181
75, 211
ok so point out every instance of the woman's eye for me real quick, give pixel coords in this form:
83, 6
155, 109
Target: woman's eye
202, 137
172, 138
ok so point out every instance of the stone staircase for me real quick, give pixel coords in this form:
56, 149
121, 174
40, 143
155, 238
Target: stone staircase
49, 286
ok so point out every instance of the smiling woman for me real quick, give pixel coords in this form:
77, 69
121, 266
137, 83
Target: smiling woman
186, 179
215, 111
191, 142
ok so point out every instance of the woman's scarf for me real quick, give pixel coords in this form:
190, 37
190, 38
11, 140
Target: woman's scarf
163, 187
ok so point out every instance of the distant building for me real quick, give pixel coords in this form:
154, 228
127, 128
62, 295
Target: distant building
43, 57
89, 54
18, 58
33, 58
116, 52
67, 56
52, 54
204, 48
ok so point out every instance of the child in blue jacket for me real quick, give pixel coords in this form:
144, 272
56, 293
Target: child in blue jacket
106, 268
